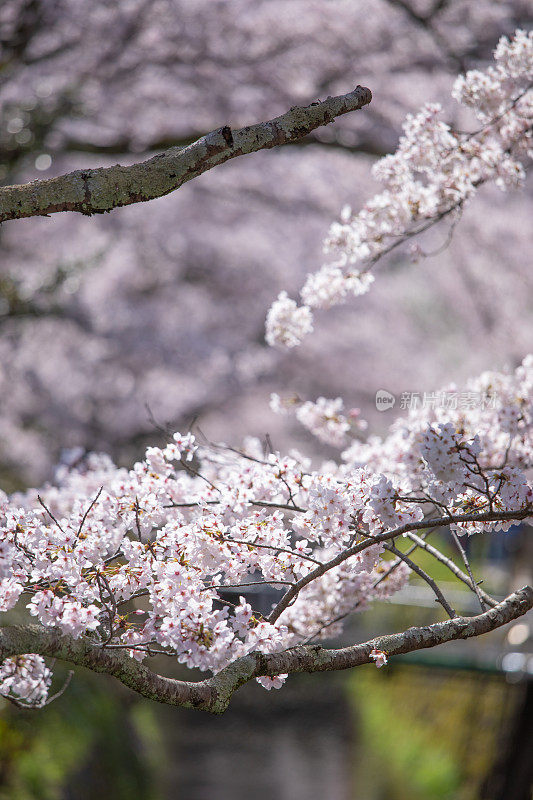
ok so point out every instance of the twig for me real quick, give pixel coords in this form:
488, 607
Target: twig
468, 569
100, 490
270, 547
243, 585
61, 691
427, 578
41, 501
490, 601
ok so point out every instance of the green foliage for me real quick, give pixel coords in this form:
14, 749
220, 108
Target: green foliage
92, 740
425, 733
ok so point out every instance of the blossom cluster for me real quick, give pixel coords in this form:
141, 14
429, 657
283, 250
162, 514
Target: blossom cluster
379, 656
472, 458
25, 679
433, 172
287, 323
159, 558
325, 418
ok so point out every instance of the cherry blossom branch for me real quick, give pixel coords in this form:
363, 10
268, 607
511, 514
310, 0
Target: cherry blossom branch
270, 547
21, 639
432, 174
215, 693
95, 191
440, 522
429, 222
312, 658
394, 565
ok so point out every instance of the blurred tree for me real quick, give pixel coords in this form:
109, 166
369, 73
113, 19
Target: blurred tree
86, 83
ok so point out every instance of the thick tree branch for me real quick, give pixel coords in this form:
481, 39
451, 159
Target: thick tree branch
95, 191
215, 693
50, 642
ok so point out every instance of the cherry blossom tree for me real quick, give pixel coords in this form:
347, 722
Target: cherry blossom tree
121, 565
163, 304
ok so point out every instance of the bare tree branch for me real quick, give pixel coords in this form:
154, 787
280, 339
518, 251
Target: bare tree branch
215, 693
95, 191
487, 599
466, 562
425, 577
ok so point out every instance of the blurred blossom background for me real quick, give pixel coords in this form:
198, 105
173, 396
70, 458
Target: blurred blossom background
156, 313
